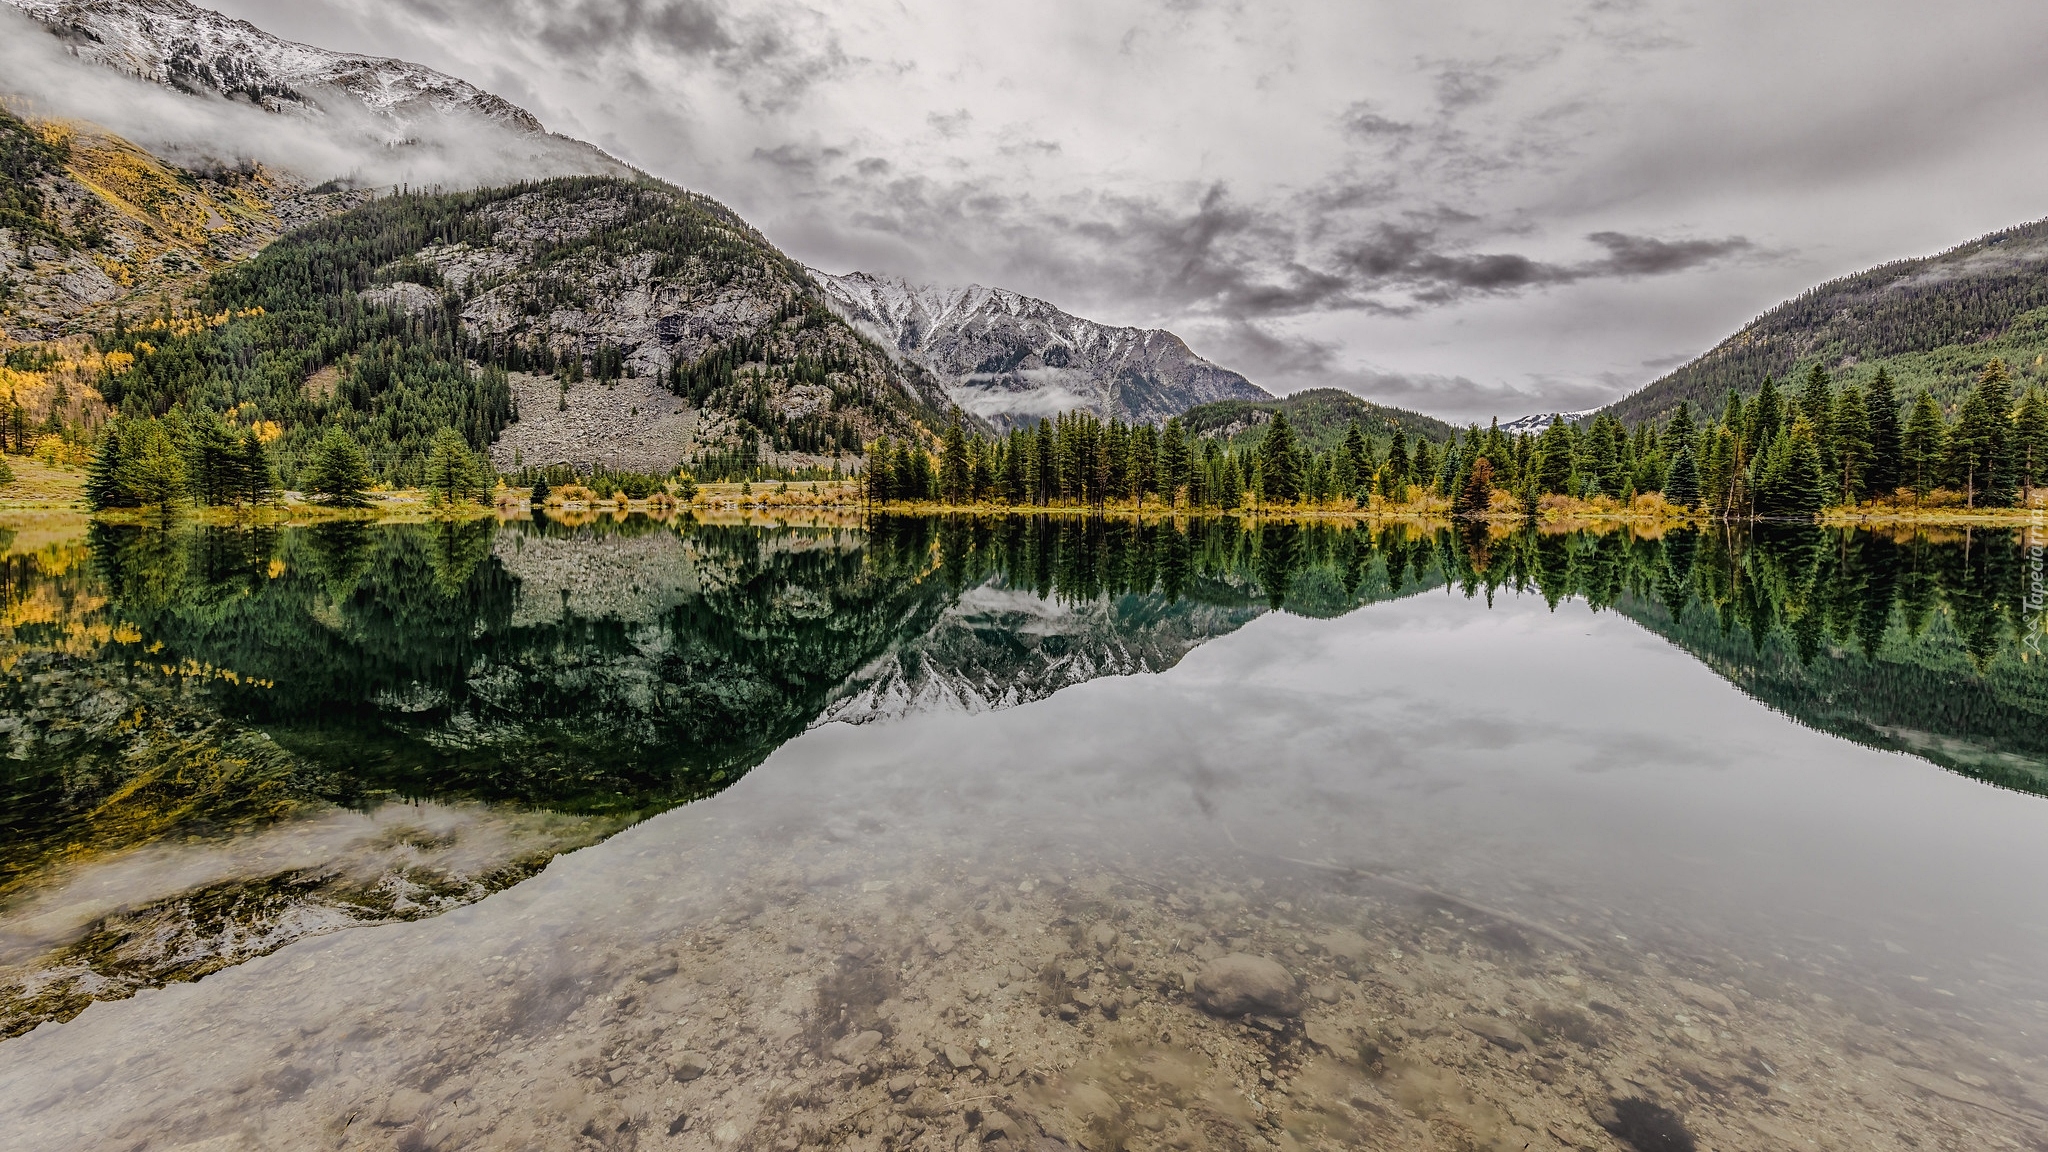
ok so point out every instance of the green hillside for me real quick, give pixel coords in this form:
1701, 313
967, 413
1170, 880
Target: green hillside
1932, 322
1320, 417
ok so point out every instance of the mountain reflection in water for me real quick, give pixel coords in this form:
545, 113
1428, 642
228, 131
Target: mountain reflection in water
1463, 869
221, 740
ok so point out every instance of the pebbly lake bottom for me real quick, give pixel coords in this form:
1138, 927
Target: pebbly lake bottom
1430, 875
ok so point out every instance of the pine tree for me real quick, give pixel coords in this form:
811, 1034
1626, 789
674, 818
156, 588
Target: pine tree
1173, 461
1851, 424
1554, 457
1353, 461
152, 471
1881, 415
1279, 464
1477, 495
953, 464
454, 475
1682, 486
103, 476
339, 474
1923, 447
539, 496
256, 478
2030, 443
1394, 477
1766, 415
1976, 446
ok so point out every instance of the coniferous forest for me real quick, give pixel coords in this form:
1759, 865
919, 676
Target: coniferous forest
1780, 455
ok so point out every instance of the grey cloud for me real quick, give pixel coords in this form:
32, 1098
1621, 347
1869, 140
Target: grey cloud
1363, 120
1285, 362
770, 63
950, 123
1463, 85
796, 159
1649, 256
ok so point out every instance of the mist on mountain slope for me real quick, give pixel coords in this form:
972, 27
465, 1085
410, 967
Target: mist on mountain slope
343, 141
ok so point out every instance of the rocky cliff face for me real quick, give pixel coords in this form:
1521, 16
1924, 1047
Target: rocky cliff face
1013, 360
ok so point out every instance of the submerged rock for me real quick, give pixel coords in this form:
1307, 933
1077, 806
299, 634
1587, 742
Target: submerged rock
1235, 984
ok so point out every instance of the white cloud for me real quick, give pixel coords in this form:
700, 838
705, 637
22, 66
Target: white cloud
1211, 166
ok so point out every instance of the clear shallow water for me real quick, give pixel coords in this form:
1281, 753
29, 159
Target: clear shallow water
1520, 863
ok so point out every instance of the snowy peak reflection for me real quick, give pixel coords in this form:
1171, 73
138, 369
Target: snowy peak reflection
1050, 602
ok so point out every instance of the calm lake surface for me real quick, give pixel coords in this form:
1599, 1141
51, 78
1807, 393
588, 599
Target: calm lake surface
1021, 833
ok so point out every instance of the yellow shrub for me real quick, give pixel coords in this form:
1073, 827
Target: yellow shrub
58, 452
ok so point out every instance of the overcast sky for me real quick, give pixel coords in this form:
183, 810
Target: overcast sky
1471, 209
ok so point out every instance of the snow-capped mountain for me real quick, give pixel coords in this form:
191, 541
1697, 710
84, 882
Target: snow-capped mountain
1531, 425
999, 646
1013, 360
177, 44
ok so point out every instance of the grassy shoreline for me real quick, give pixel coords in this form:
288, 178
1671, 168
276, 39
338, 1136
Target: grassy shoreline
42, 488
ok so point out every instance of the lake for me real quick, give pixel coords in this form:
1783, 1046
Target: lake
1024, 833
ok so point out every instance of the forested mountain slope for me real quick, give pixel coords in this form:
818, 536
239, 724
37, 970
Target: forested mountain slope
1320, 417
1932, 323
1015, 360
405, 315
89, 222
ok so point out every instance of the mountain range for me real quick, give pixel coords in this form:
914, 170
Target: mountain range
1013, 360
122, 221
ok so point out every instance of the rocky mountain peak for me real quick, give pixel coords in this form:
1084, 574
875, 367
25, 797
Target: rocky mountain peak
1014, 359
183, 46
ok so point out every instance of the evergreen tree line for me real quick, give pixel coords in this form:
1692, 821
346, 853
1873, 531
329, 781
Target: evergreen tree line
1775, 456
198, 457
1079, 459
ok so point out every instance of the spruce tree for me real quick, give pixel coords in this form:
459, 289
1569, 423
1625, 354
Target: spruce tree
1279, 463
1351, 461
1851, 425
1976, 445
1393, 484
454, 475
953, 464
1881, 415
152, 472
539, 496
1173, 461
1923, 446
1554, 457
339, 475
1766, 415
2030, 443
103, 476
1682, 486
256, 477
